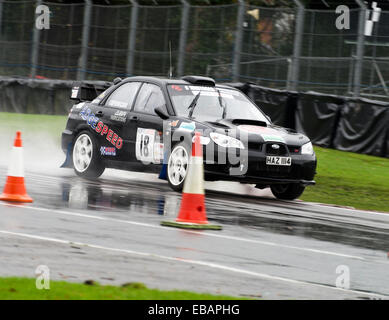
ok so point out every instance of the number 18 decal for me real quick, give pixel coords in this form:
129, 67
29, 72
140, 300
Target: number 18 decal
147, 148
144, 145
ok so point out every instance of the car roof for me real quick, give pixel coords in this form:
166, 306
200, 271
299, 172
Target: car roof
166, 81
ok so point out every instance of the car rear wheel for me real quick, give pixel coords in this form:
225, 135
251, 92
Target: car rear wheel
177, 166
86, 160
287, 191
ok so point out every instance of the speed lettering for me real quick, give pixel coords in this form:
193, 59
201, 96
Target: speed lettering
99, 127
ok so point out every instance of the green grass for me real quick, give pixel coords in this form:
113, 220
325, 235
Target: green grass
25, 289
344, 178
350, 179
31, 123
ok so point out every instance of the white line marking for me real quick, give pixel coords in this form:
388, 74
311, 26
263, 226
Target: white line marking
304, 203
196, 232
196, 262
332, 206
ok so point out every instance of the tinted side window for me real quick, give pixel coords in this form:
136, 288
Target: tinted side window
150, 97
123, 96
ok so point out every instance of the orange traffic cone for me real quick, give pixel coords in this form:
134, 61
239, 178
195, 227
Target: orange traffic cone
192, 214
14, 189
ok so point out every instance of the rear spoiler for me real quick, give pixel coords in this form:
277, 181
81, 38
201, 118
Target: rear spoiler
84, 91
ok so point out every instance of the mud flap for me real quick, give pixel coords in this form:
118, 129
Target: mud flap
68, 161
163, 173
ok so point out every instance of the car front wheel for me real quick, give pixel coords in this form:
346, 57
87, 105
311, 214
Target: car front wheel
177, 166
86, 160
289, 191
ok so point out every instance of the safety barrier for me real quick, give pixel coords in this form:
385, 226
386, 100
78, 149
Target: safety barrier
344, 123
349, 124
33, 96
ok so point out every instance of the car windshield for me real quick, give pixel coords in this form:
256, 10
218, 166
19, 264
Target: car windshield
211, 103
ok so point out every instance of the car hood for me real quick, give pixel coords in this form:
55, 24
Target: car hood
257, 131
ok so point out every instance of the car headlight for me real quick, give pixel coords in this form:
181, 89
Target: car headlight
307, 148
226, 141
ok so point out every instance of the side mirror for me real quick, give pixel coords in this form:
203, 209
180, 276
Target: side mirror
161, 113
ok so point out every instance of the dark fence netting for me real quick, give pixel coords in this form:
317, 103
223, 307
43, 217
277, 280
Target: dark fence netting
279, 105
244, 87
363, 127
357, 125
317, 117
38, 96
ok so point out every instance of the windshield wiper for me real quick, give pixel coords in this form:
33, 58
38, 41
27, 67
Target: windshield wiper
221, 104
193, 104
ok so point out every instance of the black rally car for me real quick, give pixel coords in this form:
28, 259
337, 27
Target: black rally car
140, 123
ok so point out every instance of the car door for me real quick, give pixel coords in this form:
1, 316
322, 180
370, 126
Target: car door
113, 113
144, 128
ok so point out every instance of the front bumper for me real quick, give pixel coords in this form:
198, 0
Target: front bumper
252, 168
258, 180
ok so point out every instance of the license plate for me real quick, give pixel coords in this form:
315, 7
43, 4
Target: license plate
278, 161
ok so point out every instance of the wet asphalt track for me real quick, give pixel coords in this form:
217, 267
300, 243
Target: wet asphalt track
109, 231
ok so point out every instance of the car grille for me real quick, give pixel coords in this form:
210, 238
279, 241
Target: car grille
261, 169
272, 150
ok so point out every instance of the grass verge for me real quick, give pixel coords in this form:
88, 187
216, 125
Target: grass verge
25, 289
31, 123
350, 179
343, 178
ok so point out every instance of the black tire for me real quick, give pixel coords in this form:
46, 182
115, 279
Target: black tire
172, 184
96, 167
287, 191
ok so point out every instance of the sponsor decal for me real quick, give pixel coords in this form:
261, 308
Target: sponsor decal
177, 88
97, 125
148, 147
268, 134
158, 152
188, 126
212, 94
108, 151
74, 92
201, 88
117, 103
270, 137
174, 123
120, 116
